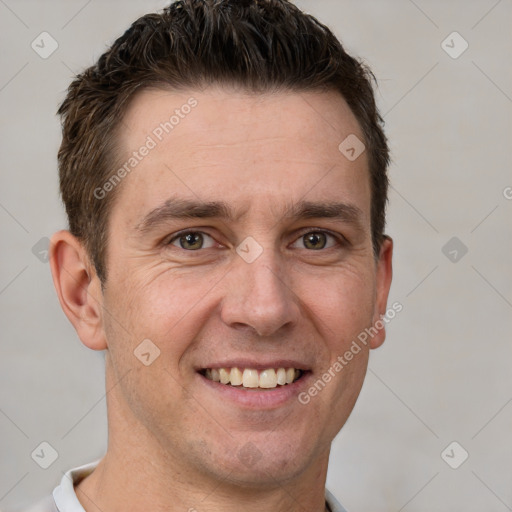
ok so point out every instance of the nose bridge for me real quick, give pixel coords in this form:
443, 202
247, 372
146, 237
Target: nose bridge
266, 279
259, 293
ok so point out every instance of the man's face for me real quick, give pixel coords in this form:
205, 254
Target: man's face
265, 289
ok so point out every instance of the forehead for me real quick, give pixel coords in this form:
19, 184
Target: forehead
243, 148
240, 115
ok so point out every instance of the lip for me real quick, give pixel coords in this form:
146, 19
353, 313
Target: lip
254, 399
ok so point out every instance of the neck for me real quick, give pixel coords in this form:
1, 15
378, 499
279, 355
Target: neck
124, 481
104, 490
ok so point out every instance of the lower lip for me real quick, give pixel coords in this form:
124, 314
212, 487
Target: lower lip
253, 398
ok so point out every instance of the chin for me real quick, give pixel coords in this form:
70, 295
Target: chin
258, 463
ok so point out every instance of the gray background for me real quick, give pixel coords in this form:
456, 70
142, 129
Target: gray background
443, 374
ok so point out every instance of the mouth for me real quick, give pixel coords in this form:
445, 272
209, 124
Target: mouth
251, 378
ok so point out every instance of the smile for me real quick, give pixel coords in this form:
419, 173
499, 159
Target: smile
251, 378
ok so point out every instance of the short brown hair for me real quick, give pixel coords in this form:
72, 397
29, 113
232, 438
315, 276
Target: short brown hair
259, 45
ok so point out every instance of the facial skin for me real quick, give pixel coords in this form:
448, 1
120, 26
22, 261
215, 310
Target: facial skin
176, 440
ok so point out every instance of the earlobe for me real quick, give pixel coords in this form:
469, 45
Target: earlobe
384, 276
78, 288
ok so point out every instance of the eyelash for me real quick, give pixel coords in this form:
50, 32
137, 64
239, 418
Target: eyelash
340, 240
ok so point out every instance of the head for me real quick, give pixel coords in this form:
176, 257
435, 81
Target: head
255, 46
240, 236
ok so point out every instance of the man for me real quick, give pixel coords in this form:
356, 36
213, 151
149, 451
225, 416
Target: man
223, 169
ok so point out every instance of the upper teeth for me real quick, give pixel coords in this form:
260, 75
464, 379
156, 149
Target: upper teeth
250, 378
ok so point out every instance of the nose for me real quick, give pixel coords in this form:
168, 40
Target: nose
259, 296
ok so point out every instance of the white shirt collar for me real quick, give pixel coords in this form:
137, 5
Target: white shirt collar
64, 494
66, 501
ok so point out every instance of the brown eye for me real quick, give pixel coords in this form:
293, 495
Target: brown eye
190, 240
318, 240
315, 240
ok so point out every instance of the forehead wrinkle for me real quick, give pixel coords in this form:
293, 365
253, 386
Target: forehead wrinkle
244, 142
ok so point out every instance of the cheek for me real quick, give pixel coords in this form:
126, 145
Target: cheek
343, 313
164, 311
343, 306
160, 305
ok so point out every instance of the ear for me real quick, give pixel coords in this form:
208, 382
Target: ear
384, 275
78, 288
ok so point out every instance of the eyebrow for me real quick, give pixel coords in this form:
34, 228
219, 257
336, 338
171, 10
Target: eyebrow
181, 209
